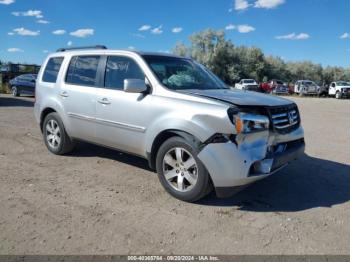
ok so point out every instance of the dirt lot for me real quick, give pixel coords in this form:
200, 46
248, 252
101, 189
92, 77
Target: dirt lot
100, 201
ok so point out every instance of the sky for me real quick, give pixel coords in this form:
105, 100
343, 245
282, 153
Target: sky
295, 30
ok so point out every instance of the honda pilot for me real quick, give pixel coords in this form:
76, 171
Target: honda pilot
195, 131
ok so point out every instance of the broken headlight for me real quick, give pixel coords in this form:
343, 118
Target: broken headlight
249, 123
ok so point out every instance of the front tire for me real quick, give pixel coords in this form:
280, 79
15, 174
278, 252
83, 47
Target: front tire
15, 91
180, 171
338, 95
55, 136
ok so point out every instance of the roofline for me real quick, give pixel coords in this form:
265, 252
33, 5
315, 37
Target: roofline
101, 49
64, 49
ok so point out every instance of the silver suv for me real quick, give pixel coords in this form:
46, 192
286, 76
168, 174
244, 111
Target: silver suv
196, 132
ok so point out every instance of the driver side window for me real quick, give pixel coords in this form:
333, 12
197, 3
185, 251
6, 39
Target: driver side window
118, 69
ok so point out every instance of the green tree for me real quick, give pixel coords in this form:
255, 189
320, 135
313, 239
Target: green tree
232, 63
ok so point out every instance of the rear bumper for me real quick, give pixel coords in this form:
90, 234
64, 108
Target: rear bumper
234, 166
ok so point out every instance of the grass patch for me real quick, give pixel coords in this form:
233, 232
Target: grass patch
4, 88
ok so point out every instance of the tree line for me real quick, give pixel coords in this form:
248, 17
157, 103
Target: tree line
232, 63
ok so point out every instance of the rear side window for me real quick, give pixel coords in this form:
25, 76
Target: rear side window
52, 69
82, 70
120, 68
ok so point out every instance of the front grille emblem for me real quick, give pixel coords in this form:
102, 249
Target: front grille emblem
284, 119
290, 117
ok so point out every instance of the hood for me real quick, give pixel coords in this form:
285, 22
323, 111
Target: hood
240, 98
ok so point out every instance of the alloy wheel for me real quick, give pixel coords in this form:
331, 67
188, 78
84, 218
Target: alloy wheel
14, 91
53, 134
180, 169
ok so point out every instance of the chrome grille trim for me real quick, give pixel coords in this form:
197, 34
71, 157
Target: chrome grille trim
285, 119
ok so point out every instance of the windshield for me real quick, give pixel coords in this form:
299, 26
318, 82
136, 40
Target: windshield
343, 83
181, 73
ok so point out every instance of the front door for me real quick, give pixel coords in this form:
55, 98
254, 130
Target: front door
332, 89
29, 84
121, 117
296, 87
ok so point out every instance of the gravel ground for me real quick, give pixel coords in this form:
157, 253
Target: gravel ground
100, 201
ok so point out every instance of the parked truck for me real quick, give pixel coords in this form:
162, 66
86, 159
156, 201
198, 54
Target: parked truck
306, 87
339, 89
248, 84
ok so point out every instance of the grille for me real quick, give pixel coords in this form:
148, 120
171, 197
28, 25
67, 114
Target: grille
284, 119
252, 87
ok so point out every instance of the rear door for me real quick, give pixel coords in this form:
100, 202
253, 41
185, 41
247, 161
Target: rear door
78, 96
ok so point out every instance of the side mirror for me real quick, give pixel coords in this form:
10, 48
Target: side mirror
33, 80
135, 86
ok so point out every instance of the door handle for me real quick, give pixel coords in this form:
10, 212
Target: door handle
104, 101
64, 94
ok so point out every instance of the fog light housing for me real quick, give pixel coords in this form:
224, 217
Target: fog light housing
262, 167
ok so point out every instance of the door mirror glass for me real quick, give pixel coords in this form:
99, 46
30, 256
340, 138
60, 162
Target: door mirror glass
135, 86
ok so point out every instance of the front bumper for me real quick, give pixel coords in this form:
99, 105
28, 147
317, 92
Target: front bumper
252, 88
280, 91
305, 92
345, 94
254, 157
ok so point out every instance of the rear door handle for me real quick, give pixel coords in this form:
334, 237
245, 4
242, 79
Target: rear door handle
104, 101
64, 94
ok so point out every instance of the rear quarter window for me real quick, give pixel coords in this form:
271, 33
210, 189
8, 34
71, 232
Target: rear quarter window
51, 70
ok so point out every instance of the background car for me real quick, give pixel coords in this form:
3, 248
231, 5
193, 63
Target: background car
275, 87
23, 84
306, 87
291, 88
248, 84
339, 89
323, 90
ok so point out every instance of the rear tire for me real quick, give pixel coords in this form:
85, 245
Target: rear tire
180, 171
55, 136
15, 91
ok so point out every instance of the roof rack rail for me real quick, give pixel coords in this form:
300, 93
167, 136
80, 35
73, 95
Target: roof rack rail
81, 48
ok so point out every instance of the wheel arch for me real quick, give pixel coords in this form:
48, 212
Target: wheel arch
165, 135
43, 114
